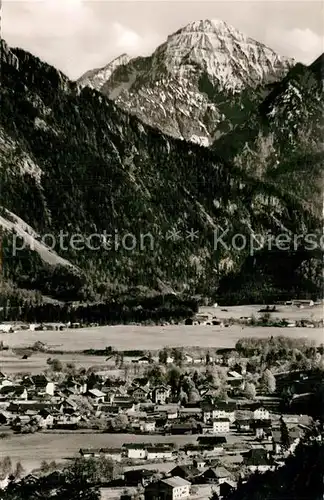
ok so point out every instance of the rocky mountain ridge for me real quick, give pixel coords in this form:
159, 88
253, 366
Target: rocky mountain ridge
187, 86
282, 140
102, 170
96, 78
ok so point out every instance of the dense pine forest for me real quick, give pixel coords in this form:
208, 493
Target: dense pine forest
73, 162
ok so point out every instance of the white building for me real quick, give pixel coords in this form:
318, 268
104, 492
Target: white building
136, 451
172, 488
96, 395
223, 413
221, 425
261, 413
157, 453
147, 425
112, 453
6, 328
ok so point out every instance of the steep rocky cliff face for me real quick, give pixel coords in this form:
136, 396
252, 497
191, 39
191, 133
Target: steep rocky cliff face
152, 204
198, 84
7, 55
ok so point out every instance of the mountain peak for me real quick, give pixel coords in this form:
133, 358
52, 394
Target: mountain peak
182, 87
231, 59
123, 59
317, 67
97, 77
204, 25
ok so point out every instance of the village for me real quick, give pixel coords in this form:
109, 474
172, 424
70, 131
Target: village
183, 423
289, 314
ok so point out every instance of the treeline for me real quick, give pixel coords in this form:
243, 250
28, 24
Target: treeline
273, 276
117, 311
280, 346
301, 478
81, 479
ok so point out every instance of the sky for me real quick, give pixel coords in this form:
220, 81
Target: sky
77, 35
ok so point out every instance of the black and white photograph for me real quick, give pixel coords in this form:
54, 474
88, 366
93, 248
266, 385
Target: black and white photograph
161, 250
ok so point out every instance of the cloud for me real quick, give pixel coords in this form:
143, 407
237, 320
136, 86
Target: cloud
71, 34
306, 43
46, 18
303, 44
77, 35
126, 39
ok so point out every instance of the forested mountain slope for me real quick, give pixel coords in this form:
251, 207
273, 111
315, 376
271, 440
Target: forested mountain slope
73, 162
282, 140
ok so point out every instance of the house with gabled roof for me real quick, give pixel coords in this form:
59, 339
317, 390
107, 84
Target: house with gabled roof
115, 454
262, 428
216, 475
46, 419
139, 393
258, 459
5, 382
188, 472
260, 412
243, 424
221, 425
96, 395
68, 405
43, 385
224, 409
13, 392
159, 452
168, 489
136, 451
78, 387
138, 477
147, 425
227, 487
212, 444
160, 394
90, 452
170, 411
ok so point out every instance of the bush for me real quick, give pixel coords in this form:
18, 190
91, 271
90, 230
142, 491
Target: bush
56, 365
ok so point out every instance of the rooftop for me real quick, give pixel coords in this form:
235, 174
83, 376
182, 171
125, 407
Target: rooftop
176, 481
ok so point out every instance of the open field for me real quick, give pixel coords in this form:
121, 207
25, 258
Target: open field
293, 313
12, 363
31, 449
152, 337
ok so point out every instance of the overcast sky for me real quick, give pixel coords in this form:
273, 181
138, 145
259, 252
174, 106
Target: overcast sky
77, 35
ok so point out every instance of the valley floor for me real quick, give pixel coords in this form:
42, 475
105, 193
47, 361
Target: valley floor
128, 337
32, 449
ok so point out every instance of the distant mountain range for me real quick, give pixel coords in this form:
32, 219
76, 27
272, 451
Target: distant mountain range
73, 161
201, 82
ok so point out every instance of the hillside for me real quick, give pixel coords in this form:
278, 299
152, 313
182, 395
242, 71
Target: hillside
73, 163
197, 85
301, 478
282, 140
